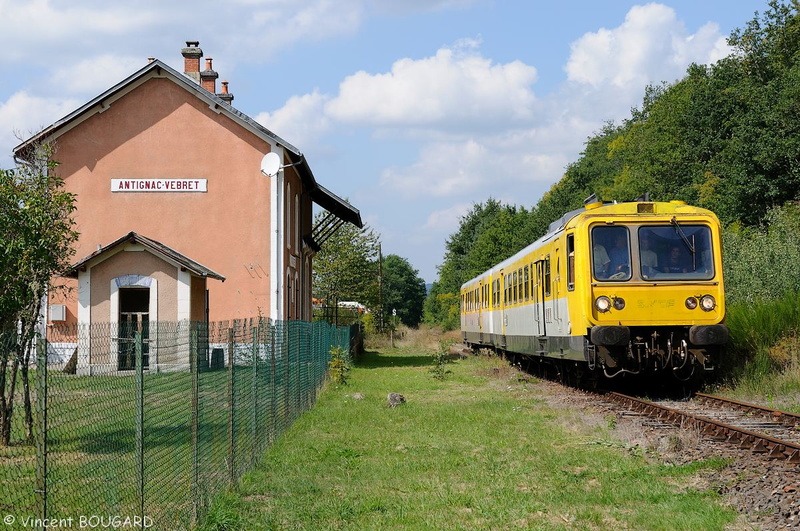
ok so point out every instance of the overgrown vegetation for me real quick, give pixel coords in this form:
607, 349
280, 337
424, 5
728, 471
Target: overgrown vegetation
479, 450
725, 137
440, 360
36, 243
339, 365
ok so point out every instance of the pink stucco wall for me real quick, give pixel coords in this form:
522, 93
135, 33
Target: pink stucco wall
160, 130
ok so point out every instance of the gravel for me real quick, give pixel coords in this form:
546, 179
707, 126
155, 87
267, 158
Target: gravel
763, 491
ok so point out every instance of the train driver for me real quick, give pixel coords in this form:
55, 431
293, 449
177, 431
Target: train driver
601, 261
619, 256
649, 257
676, 262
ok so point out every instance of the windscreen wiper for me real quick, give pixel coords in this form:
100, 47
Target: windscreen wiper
689, 244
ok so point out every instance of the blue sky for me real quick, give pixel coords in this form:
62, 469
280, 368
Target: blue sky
413, 110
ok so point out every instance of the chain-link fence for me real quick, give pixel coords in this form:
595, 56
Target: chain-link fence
139, 424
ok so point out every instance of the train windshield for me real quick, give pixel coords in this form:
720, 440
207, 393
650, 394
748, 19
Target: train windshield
611, 255
675, 252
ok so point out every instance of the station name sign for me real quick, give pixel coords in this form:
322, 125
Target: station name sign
159, 185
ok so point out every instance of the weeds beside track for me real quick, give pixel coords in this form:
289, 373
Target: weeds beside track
480, 449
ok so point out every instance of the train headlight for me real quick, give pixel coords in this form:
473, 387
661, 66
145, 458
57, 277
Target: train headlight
691, 303
619, 303
602, 303
708, 303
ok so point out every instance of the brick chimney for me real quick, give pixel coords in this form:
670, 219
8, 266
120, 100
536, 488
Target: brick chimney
208, 78
225, 95
191, 60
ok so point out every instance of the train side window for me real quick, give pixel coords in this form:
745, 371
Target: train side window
514, 288
533, 280
547, 276
527, 293
571, 262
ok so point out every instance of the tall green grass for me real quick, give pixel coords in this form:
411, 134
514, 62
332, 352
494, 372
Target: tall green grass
762, 284
480, 449
762, 360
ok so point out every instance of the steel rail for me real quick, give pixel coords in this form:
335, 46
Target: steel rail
784, 417
757, 442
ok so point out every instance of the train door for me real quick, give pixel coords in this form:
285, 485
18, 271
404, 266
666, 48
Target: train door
539, 298
481, 313
542, 292
490, 307
503, 300
555, 291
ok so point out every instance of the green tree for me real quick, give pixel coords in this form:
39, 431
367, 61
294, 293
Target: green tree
453, 271
403, 290
346, 267
488, 234
442, 308
36, 244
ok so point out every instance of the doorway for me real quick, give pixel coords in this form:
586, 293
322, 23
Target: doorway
134, 316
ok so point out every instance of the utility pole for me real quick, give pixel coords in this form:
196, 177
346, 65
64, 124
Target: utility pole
380, 287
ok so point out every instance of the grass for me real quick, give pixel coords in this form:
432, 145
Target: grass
762, 363
92, 458
479, 449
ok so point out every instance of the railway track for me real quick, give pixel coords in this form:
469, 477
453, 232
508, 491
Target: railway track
761, 430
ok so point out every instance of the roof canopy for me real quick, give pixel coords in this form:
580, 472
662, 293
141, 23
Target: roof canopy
157, 248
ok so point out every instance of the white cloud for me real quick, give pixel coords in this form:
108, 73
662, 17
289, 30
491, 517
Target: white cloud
39, 28
45, 32
457, 86
650, 46
23, 115
443, 169
301, 121
447, 220
96, 74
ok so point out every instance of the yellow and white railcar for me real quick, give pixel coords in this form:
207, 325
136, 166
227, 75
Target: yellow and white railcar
624, 288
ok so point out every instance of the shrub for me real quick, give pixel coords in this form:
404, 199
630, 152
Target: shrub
339, 365
759, 261
440, 360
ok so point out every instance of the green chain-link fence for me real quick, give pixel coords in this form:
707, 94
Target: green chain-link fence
139, 425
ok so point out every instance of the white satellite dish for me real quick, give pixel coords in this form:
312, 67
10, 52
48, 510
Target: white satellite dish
271, 164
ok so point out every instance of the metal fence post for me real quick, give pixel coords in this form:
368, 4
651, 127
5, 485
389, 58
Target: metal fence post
286, 354
193, 369
231, 364
140, 420
299, 348
273, 381
41, 429
254, 427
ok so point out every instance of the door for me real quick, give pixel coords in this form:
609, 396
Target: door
539, 294
134, 316
481, 301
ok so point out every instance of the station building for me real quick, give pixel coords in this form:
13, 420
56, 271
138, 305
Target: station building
176, 220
